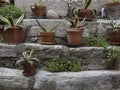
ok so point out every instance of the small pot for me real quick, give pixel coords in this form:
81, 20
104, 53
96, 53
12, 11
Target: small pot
114, 36
28, 69
47, 38
74, 36
13, 35
85, 13
38, 10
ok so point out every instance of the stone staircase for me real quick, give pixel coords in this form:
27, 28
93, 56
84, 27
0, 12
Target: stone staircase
93, 74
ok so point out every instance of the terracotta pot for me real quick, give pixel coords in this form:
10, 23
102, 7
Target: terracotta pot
47, 38
114, 37
28, 68
85, 13
38, 10
74, 36
112, 4
13, 35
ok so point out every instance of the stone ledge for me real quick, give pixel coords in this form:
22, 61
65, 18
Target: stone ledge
91, 58
12, 79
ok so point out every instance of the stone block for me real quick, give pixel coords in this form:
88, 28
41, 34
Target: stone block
7, 50
87, 80
12, 79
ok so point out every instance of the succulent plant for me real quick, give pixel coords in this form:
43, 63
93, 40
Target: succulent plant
76, 23
46, 29
12, 22
27, 57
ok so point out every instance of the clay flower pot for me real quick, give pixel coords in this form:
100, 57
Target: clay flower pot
114, 36
38, 10
13, 35
74, 36
47, 38
28, 68
85, 13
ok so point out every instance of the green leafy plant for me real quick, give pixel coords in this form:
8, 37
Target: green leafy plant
111, 56
10, 10
58, 65
75, 23
93, 40
87, 4
12, 22
46, 29
27, 56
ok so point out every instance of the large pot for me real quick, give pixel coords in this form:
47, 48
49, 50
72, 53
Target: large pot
47, 38
13, 35
114, 36
28, 68
74, 36
38, 10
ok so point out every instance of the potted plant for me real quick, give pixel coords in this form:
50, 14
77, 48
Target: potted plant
28, 61
38, 9
114, 32
74, 33
47, 35
113, 8
13, 30
84, 11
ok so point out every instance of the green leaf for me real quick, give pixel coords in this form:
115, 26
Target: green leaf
76, 20
71, 23
19, 20
35, 59
19, 61
11, 21
87, 3
44, 29
54, 27
5, 20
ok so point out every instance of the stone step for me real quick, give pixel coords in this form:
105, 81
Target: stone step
91, 58
97, 26
12, 79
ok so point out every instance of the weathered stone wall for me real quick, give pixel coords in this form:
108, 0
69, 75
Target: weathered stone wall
91, 58
11, 79
98, 26
60, 6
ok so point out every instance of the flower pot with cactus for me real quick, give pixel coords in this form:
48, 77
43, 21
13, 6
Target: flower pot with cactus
74, 32
28, 61
13, 30
47, 35
84, 11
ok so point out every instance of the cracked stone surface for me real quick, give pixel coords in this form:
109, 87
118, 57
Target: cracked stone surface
12, 79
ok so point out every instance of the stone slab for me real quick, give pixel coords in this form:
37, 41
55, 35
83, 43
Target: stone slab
12, 79
86, 80
7, 50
